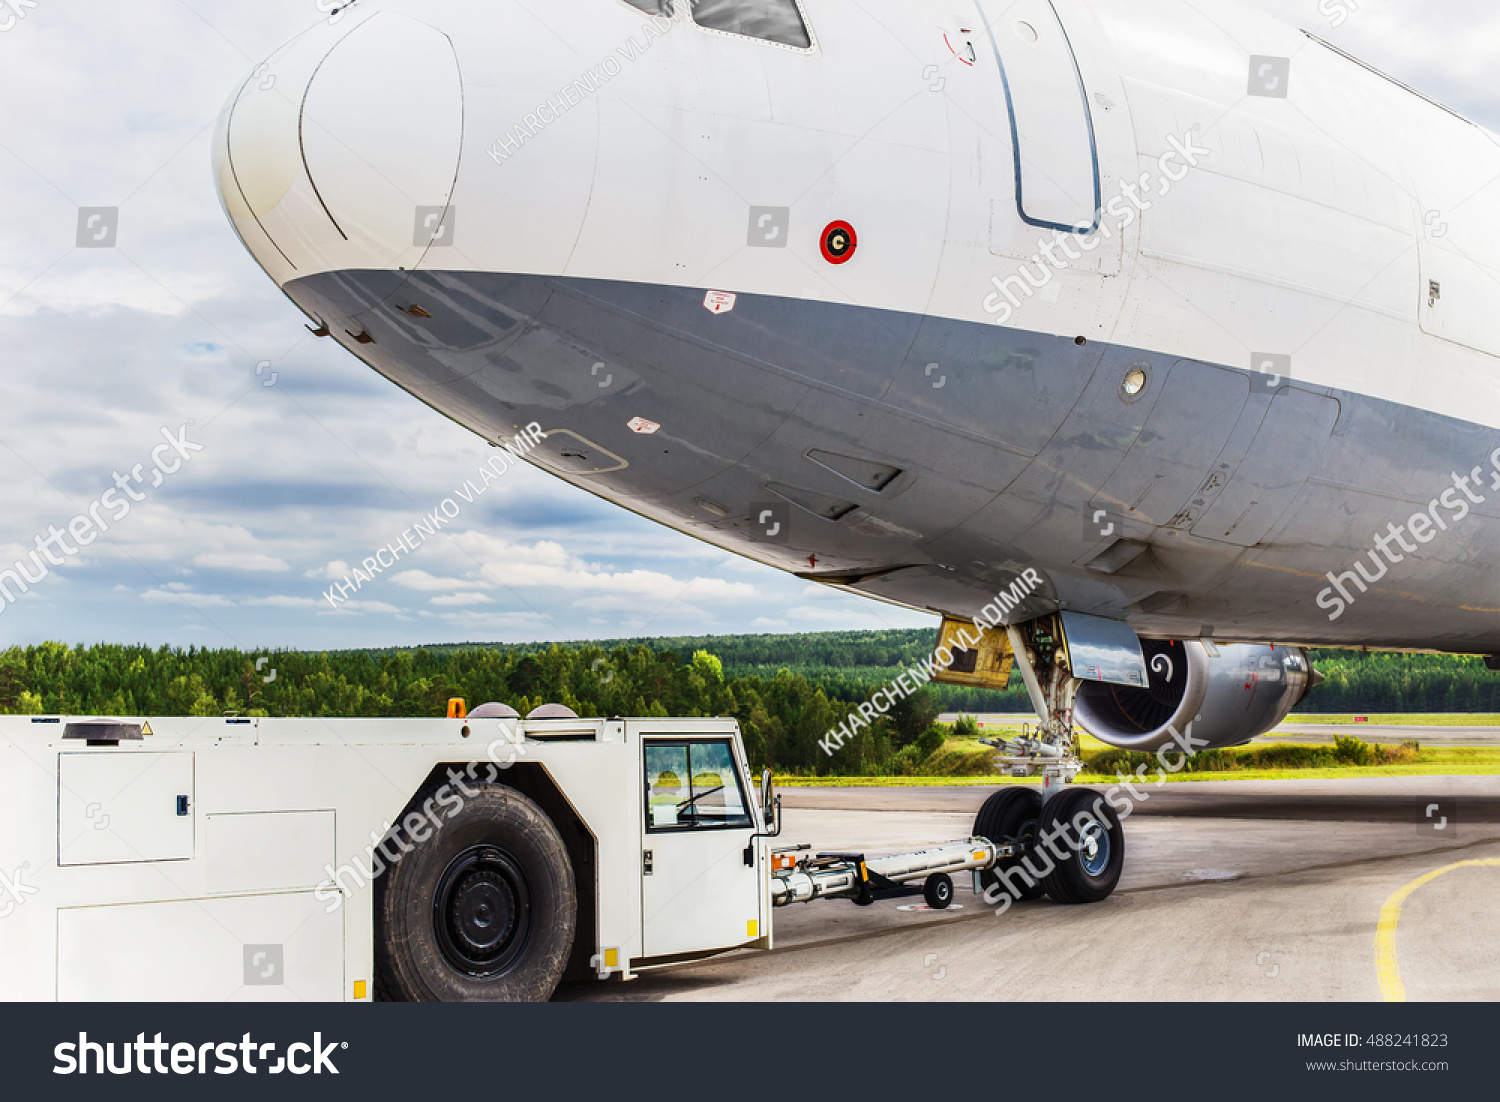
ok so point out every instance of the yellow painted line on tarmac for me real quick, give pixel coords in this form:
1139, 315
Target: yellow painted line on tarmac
1387, 970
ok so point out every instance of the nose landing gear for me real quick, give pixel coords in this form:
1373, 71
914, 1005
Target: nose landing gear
1071, 841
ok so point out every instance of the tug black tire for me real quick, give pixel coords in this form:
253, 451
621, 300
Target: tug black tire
1010, 815
483, 910
1093, 859
937, 889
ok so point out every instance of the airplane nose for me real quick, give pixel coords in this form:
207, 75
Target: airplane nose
341, 151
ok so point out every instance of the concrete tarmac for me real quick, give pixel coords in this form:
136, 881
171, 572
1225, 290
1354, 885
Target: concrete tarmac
1232, 890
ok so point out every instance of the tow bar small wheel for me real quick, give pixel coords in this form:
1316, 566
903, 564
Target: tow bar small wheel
1092, 842
483, 910
1010, 815
937, 889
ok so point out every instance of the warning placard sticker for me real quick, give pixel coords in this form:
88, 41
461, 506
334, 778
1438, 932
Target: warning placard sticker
719, 302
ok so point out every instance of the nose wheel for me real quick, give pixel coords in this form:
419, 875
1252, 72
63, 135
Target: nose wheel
1010, 816
1082, 862
1092, 844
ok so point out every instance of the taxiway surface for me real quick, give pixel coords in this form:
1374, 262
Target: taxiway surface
1232, 890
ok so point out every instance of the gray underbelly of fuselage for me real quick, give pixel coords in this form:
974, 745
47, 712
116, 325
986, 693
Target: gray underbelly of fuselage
931, 461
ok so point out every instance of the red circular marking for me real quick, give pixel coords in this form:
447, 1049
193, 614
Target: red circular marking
839, 242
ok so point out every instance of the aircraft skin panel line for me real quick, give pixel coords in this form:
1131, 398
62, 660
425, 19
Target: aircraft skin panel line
1006, 469
1272, 347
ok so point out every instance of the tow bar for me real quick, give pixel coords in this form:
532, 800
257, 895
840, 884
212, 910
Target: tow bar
854, 876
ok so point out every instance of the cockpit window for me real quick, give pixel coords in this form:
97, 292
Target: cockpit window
771, 20
653, 7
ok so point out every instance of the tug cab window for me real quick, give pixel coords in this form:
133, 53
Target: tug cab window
692, 785
771, 20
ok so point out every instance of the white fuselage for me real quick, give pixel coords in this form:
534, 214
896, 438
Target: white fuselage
1336, 235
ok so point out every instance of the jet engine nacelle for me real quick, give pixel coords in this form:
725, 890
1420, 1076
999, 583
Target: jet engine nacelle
1228, 698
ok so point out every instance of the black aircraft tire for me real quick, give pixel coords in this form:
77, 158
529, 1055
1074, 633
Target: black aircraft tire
483, 910
1009, 815
1091, 863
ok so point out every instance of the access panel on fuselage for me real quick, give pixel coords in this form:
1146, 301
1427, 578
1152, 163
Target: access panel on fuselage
1174, 453
1057, 169
1285, 452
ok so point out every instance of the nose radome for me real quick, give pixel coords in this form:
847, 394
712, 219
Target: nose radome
341, 151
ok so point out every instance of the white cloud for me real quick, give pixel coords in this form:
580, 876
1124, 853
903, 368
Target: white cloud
458, 599
173, 595
424, 582
366, 606
843, 619
486, 625
240, 560
335, 571
285, 602
99, 289
548, 564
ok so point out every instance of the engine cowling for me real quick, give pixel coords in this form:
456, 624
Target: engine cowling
1229, 698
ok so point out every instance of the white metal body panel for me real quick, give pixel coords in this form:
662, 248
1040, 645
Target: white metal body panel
700, 895
115, 808
269, 851
202, 950
311, 791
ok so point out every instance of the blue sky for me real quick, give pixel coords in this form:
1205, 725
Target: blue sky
110, 104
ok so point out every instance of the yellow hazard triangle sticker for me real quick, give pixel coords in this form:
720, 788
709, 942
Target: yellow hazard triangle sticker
146, 729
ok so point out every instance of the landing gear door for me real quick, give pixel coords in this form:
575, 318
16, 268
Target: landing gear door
697, 892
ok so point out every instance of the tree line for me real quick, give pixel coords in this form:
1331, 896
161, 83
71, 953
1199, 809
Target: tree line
784, 709
847, 665
782, 716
